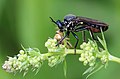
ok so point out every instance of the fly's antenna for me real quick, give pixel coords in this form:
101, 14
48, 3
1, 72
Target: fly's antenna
52, 20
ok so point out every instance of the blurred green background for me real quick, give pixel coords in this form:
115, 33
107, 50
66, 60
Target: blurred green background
27, 22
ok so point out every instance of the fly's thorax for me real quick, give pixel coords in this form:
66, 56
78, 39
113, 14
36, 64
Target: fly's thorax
70, 26
69, 17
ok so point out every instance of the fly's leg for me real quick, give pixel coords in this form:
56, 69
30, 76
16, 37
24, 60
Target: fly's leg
83, 36
92, 35
76, 41
67, 34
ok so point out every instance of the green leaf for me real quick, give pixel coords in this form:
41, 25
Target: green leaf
23, 47
65, 68
56, 60
101, 41
104, 42
95, 71
33, 51
37, 70
92, 70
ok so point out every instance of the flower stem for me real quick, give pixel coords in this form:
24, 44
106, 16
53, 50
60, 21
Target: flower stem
114, 59
67, 51
71, 51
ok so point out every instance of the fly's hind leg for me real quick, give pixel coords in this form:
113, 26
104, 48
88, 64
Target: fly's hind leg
83, 36
92, 35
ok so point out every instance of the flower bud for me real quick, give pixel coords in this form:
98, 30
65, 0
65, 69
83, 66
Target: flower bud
21, 52
85, 62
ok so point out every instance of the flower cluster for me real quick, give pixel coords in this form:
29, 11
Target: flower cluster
53, 49
104, 56
25, 59
91, 52
51, 46
54, 60
32, 57
56, 54
88, 56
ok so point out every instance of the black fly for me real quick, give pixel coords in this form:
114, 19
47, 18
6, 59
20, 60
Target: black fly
72, 24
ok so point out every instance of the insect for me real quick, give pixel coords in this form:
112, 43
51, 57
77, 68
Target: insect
72, 24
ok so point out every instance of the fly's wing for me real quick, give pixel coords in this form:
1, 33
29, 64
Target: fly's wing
92, 23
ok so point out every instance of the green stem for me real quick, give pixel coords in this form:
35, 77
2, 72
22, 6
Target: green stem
114, 59
72, 51
67, 51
